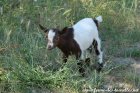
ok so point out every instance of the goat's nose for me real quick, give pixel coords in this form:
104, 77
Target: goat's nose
49, 47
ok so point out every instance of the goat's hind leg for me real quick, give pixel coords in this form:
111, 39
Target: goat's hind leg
99, 53
80, 64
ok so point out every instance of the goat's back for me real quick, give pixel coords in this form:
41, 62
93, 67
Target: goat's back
84, 32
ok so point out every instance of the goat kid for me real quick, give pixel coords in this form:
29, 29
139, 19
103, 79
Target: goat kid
76, 40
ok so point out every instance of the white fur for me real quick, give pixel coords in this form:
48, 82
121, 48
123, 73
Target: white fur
99, 18
85, 31
51, 35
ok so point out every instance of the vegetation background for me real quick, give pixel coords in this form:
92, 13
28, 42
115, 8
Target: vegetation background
27, 67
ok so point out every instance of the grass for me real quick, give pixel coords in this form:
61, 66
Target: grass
26, 65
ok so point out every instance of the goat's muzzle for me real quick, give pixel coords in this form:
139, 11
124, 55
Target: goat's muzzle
50, 47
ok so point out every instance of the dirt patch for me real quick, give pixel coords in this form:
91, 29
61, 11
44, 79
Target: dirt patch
123, 61
118, 77
134, 63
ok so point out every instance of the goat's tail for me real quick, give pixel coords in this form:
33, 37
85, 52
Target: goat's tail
99, 19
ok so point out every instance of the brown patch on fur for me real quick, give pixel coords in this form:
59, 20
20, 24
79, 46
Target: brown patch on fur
67, 44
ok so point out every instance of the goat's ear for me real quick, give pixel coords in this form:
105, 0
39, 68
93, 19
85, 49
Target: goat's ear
64, 30
43, 28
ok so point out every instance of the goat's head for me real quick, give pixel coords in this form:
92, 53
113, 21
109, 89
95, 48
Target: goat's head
52, 36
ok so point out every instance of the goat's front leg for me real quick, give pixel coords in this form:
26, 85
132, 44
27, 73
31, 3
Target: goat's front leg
65, 57
80, 64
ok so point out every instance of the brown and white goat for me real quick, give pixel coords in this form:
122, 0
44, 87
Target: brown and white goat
76, 40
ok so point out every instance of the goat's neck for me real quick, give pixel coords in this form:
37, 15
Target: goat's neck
68, 46
62, 44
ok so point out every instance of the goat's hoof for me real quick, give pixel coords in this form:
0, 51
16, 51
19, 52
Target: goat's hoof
82, 72
87, 61
100, 66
